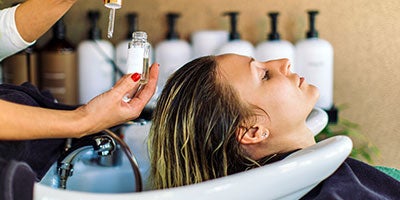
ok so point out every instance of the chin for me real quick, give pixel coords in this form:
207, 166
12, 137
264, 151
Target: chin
315, 95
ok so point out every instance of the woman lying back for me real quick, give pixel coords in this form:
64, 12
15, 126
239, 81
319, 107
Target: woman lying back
220, 115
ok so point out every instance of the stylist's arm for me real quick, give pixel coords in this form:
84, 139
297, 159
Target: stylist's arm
34, 17
20, 122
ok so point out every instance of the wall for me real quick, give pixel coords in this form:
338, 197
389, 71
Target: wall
364, 34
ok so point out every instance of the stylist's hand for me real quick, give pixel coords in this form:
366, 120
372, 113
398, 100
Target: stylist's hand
108, 109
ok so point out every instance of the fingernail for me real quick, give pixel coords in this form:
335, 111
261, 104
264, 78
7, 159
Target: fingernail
135, 77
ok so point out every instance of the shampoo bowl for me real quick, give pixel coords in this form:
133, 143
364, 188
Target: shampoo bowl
289, 178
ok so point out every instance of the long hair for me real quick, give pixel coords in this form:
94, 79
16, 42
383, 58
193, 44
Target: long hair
193, 133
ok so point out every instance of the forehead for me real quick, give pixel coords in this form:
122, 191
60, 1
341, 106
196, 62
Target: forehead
235, 70
232, 66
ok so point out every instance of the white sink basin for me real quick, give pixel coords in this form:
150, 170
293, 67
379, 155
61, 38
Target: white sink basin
307, 167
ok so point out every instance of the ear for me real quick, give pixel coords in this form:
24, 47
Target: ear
252, 135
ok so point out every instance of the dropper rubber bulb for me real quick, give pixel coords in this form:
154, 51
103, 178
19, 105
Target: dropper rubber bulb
171, 20
274, 35
312, 33
234, 34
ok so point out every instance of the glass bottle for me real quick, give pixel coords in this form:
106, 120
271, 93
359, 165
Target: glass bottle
58, 71
138, 56
21, 67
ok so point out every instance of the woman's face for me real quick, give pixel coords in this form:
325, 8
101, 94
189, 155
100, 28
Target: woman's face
284, 98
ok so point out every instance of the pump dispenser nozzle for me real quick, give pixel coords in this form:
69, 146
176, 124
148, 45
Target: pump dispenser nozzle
171, 20
59, 29
312, 33
274, 35
132, 24
234, 34
94, 32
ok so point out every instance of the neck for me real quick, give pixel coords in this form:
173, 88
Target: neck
301, 138
285, 141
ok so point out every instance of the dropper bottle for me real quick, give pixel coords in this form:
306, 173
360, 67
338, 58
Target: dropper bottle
138, 59
274, 47
236, 44
138, 56
112, 5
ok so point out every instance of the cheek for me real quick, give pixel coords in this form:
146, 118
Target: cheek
278, 100
284, 95
286, 103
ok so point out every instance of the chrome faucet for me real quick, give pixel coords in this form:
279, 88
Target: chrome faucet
104, 145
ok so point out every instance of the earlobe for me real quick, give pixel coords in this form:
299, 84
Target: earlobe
265, 134
252, 135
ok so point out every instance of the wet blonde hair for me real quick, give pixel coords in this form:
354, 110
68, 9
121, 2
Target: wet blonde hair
193, 133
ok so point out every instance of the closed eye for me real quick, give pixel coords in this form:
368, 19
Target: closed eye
266, 75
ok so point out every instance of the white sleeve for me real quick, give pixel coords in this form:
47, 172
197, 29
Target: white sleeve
10, 40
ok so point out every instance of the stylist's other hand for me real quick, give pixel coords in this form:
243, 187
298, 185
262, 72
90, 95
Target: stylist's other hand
108, 109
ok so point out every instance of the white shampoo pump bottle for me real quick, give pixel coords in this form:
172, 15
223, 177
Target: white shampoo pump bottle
236, 44
95, 63
171, 53
274, 48
314, 61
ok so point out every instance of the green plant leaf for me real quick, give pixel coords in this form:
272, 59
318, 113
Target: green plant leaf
363, 148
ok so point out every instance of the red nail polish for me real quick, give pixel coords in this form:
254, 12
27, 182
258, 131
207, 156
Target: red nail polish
135, 77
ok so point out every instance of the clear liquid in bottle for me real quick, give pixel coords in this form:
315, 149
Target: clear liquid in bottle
138, 58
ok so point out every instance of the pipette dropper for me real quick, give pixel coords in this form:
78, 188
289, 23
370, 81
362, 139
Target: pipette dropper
112, 5
111, 20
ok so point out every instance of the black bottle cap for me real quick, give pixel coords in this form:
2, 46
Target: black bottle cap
94, 32
132, 24
59, 29
171, 20
333, 115
312, 33
274, 35
58, 42
234, 34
